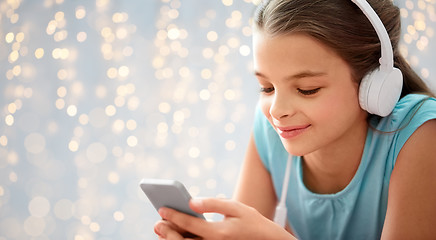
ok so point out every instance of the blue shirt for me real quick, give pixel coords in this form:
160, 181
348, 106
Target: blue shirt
358, 211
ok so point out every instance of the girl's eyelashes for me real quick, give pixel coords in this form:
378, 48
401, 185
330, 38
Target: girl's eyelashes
266, 90
308, 92
299, 90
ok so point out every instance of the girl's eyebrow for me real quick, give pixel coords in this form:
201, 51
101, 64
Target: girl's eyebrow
302, 74
305, 74
258, 74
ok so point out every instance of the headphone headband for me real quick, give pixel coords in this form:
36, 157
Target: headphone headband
380, 89
387, 56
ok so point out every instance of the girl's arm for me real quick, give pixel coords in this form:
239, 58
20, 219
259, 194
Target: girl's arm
255, 187
411, 211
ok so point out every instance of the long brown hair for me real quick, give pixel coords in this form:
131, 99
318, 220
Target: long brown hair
342, 26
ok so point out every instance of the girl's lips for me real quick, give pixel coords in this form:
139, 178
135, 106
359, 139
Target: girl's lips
293, 131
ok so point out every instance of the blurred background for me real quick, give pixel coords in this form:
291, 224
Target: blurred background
96, 95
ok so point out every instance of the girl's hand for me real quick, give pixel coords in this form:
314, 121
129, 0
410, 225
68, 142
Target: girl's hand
240, 222
168, 230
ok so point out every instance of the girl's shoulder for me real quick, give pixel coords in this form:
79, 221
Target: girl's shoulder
413, 181
410, 112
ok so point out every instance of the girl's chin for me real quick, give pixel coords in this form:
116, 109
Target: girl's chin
294, 150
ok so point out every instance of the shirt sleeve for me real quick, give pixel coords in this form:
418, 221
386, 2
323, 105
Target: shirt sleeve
268, 143
261, 131
422, 111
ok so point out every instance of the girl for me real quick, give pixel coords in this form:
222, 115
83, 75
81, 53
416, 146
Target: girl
353, 174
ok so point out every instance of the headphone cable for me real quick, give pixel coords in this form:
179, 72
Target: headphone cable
281, 210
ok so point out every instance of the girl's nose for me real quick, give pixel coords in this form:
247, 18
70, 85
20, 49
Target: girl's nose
281, 106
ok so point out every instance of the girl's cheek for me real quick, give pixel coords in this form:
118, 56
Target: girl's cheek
265, 106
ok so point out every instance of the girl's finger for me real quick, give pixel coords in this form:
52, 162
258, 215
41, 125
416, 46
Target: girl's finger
216, 205
189, 224
165, 231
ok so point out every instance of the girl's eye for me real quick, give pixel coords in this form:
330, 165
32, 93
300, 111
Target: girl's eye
308, 92
267, 90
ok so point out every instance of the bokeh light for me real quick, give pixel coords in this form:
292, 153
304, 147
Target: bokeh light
96, 95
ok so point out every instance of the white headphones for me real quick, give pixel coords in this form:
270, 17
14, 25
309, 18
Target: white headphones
379, 92
380, 89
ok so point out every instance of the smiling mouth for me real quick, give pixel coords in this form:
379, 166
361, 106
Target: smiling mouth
291, 132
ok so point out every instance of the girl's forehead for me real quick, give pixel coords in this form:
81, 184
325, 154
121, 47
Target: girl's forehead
290, 45
293, 55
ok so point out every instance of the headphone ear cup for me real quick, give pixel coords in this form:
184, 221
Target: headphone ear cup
363, 91
380, 90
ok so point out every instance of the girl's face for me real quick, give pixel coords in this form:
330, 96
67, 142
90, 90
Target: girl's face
307, 92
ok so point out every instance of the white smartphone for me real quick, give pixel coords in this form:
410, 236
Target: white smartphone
168, 193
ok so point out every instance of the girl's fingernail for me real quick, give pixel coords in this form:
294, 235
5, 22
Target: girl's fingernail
197, 202
157, 229
162, 212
